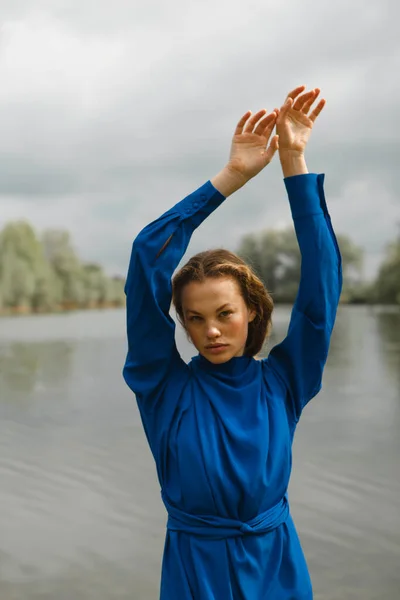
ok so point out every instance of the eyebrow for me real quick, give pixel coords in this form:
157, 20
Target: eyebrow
218, 309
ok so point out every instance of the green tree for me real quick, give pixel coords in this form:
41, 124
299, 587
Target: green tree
275, 256
97, 285
45, 275
386, 289
66, 265
116, 289
24, 273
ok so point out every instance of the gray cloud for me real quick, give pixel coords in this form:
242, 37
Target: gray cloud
111, 112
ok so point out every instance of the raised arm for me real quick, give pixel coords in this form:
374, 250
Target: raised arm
300, 359
153, 358
156, 252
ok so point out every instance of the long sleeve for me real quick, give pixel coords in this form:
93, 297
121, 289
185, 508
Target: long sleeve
300, 359
152, 357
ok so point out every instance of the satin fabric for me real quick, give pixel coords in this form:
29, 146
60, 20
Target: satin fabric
221, 435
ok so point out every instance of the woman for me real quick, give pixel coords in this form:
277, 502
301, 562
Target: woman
221, 427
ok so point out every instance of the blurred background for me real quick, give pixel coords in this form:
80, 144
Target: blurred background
110, 113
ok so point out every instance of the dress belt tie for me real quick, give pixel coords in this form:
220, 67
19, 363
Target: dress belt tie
215, 527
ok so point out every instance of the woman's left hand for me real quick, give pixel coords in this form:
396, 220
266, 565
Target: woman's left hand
294, 123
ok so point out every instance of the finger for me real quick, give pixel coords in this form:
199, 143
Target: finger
303, 99
252, 122
242, 122
268, 130
268, 122
294, 93
317, 110
307, 105
285, 109
272, 148
275, 143
277, 112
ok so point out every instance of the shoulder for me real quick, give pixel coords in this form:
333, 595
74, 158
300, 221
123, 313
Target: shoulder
272, 376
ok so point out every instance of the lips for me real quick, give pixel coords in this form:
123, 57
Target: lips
210, 346
216, 348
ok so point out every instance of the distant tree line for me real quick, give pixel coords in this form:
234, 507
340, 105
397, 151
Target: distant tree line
276, 259
386, 289
45, 274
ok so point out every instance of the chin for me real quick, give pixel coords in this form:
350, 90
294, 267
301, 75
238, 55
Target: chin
219, 358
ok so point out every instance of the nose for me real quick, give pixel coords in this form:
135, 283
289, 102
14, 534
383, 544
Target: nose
213, 332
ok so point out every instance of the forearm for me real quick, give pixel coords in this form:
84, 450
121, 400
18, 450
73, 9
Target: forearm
162, 243
228, 181
293, 163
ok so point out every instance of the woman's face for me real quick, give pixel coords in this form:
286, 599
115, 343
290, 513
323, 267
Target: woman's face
216, 318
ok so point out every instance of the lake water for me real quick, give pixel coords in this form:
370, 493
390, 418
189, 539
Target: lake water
80, 511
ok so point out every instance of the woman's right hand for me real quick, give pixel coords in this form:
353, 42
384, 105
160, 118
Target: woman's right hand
251, 148
251, 151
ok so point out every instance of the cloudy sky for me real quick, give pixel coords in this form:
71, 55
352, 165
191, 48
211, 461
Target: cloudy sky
110, 112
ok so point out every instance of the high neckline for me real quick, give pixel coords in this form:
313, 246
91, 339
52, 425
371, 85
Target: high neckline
235, 366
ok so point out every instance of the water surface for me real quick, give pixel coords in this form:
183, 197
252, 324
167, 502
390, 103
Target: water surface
80, 512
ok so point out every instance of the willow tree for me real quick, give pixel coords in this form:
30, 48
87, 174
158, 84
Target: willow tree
97, 288
45, 275
25, 276
69, 272
116, 287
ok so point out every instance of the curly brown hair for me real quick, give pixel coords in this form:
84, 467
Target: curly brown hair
223, 263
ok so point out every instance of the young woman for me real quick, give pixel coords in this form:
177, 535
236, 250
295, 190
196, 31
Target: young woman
221, 427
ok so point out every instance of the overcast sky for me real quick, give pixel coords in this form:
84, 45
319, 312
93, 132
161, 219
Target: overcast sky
111, 112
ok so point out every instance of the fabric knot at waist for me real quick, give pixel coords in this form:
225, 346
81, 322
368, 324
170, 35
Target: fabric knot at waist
215, 527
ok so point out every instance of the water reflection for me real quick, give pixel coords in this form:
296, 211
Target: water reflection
80, 511
388, 327
27, 368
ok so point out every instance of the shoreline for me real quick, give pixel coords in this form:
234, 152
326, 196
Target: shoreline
22, 311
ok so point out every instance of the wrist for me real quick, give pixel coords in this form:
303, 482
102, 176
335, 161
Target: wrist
228, 181
293, 163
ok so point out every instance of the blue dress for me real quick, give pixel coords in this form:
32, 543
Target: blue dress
221, 435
